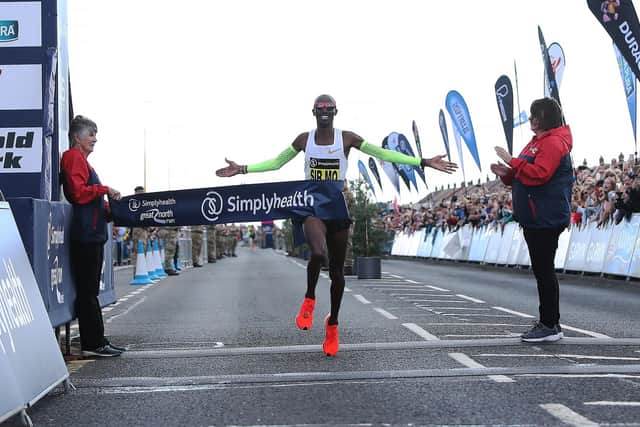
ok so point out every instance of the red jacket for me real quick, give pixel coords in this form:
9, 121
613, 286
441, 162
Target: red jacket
542, 179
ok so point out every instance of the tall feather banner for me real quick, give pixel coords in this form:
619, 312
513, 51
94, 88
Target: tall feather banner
374, 170
630, 88
554, 91
461, 120
390, 170
363, 170
504, 98
620, 21
556, 57
445, 134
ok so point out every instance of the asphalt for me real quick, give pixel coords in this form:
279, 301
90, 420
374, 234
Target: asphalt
431, 343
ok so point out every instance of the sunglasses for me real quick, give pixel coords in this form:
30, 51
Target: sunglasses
326, 106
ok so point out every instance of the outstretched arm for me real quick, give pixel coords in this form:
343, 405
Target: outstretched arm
268, 165
393, 156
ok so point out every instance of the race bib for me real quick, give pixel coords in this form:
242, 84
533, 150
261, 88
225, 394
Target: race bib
324, 169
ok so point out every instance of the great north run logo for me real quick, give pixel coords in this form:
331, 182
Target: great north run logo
8, 31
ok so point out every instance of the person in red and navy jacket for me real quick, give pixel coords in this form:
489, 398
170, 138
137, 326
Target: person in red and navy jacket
542, 179
83, 190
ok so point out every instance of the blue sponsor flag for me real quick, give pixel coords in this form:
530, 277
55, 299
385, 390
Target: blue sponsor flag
374, 170
399, 143
392, 170
462, 123
363, 170
521, 119
630, 86
405, 148
445, 134
237, 203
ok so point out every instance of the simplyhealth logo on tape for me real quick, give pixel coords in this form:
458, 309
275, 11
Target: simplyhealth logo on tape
8, 31
213, 205
152, 210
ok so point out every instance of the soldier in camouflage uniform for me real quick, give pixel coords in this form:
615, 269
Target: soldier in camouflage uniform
196, 244
170, 237
233, 240
350, 200
212, 251
219, 241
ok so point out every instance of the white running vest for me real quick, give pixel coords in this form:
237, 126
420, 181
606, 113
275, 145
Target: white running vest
325, 162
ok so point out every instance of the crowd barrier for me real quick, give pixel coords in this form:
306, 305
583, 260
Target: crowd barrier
610, 249
45, 229
30, 360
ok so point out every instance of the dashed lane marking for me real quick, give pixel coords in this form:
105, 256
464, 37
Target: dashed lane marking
465, 360
362, 299
479, 301
134, 305
517, 313
566, 415
438, 289
568, 356
396, 276
420, 332
412, 281
612, 403
584, 331
385, 313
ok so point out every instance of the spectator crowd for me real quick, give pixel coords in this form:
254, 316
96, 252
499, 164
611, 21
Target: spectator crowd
606, 193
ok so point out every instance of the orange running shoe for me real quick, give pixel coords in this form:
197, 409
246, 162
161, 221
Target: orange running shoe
304, 319
331, 344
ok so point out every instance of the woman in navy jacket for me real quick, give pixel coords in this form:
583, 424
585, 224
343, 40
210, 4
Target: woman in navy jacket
542, 179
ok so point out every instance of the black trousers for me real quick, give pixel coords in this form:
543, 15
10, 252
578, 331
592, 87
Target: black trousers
86, 266
543, 243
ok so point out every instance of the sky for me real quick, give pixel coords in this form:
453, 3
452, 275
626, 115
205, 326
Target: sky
192, 82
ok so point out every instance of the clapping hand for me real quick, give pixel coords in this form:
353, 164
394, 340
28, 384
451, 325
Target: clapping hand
500, 169
503, 154
231, 170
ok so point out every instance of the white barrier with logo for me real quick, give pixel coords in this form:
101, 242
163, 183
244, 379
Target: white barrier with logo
612, 249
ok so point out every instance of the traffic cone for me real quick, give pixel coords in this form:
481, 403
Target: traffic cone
141, 277
151, 269
158, 263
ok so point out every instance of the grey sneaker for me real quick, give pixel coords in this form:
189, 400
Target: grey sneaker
104, 351
540, 332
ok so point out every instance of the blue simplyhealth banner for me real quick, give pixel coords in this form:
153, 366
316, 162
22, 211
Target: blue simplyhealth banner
237, 203
629, 82
461, 120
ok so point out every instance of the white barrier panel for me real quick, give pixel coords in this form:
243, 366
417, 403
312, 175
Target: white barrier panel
495, 240
414, 242
505, 244
424, 249
577, 250
634, 267
597, 249
31, 363
563, 247
395, 248
437, 243
465, 242
479, 243
517, 240
621, 247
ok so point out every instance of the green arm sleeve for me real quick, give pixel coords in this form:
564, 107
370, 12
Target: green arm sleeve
276, 163
388, 155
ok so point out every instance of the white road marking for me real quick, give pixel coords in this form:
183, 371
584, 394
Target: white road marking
517, 313
420, 332
477, 315
479, 301
404, 294
438, 300
385, 313
362, 299
610, 403
107, 309
584, 331
137, 303
325, 275
566, 415
581, 375
484, 336
438, 289
411, 281
461, 308
465, 360
475, 324
396, 276
570, 356
347, 289
123, 299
